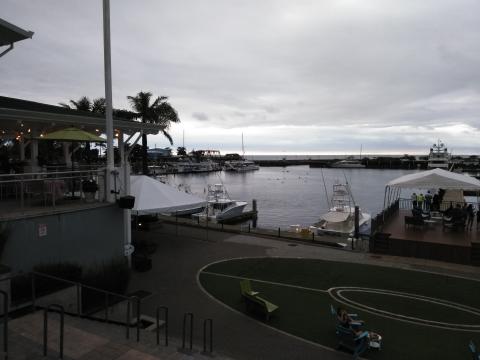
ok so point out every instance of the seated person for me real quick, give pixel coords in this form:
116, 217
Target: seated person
419, 213
346, 320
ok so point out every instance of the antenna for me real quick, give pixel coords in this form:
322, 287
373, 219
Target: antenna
183, 138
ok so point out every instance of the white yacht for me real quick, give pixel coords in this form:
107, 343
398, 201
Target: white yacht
240, 165
340, 219
439, 157
219, 206
348, 163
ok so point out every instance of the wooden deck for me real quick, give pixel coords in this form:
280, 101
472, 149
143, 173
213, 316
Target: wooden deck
429, 241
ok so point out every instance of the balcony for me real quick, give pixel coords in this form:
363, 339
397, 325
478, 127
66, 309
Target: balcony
49, 192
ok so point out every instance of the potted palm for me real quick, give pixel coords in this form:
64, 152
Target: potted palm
89, 188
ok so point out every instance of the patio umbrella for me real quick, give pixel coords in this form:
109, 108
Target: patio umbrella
73, 134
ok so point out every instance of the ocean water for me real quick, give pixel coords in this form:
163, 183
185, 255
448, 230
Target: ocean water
294, 194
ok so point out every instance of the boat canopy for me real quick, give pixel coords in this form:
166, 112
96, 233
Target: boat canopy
152, 196
436, 179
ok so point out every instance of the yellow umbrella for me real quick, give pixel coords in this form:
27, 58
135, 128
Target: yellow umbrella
73, 134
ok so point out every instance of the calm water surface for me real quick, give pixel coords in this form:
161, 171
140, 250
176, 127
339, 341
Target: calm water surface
294, 194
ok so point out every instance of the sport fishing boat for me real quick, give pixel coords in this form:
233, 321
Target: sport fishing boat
219, 206
340, 219
439, 157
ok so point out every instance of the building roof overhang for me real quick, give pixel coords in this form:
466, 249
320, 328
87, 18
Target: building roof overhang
10, 33
18, 116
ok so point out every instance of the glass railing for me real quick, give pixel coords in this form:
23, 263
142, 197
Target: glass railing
31, 192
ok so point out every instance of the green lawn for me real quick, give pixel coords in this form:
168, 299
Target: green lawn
306, 313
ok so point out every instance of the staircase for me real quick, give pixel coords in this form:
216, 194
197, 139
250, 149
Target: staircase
86, 339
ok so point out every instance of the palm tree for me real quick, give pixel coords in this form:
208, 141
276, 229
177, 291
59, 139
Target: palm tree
83, 104
157, 112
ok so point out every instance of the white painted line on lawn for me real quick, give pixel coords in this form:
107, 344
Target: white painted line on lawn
336, 293
249, 318
264, 281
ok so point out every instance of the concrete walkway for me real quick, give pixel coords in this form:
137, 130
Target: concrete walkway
183, 251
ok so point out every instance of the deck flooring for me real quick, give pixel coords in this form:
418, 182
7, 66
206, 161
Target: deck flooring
430, 232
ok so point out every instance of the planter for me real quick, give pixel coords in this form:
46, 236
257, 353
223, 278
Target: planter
5, 273
126, 202
141, 263
89, 197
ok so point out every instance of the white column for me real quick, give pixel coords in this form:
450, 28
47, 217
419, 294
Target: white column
108, 99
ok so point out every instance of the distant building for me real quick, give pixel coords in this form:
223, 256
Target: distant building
155, 154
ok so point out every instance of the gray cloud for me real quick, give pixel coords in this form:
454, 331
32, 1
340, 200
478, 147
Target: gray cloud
391, 74
200, 116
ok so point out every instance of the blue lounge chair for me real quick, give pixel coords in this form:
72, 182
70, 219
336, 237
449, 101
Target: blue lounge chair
347, 339
473, 350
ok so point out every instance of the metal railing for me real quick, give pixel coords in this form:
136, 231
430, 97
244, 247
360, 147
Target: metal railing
407, 204
5, 323
207, 322
189, 316
45, 328
21, 190
165, 317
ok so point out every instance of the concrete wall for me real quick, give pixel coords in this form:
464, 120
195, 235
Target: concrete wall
83, 236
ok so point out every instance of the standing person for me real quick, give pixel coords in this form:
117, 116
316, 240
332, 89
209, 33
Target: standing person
420, 199
414, 200
436, 202
428, 200
470, 215
478, 219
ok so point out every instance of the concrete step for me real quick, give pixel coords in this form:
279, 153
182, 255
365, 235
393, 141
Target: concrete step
86, 339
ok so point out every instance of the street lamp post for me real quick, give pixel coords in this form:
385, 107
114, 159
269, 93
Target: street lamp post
108, 99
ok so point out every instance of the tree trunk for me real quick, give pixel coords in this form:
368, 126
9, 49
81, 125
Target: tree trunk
144, 155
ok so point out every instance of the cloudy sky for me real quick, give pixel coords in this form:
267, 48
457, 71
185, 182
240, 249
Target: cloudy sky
320, 76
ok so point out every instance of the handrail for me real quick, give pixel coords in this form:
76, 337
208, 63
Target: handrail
125, 297
205, 322
137, 299
45, 327
189, 315
5, 323
23, 175
165, 315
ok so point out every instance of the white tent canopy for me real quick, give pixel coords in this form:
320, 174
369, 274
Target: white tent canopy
151, 196
436, 179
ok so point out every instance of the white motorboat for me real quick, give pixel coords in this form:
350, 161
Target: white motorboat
240, 165
219, 206
439, 157
348, 163
340, 219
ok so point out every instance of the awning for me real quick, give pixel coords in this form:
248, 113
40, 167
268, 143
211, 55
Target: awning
72, 134
151, 196
436, 179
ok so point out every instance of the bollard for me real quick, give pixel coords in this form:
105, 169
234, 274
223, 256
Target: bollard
248, 227
313, 236
278, 232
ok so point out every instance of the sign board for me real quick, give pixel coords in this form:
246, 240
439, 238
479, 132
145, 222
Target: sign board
129, 249
42, 230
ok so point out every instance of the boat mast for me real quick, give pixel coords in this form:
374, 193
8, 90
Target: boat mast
243, 148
